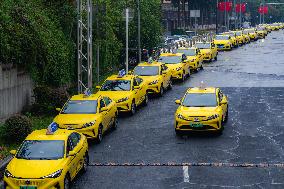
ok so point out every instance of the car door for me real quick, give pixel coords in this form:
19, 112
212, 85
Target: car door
111, 113
105, 121
142, 89
168, 74
200, 57
74, 159
137, 91
223, 106
78, 148
214, 50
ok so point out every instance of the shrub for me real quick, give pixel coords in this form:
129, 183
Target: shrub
16, 129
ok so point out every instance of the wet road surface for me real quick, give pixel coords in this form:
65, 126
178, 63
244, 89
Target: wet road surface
250, 152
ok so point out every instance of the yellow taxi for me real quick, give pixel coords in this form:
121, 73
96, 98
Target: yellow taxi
223, 42
91, 115
251, 33
246, 37
201, 109
233, 38
128, 91
47, 160
177, 63
208, 50
194, 57
156, 74
261, 32
240, 37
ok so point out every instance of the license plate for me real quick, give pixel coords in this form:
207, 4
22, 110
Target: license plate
196, 125
28, 187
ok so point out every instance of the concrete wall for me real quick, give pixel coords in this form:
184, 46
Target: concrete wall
15, 91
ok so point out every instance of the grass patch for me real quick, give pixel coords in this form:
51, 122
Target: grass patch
37, 124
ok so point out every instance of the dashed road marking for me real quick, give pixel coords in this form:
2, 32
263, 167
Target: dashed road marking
185, 174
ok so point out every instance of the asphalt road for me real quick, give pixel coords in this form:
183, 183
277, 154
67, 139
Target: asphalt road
249, 151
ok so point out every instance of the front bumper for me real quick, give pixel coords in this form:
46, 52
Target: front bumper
209, 125
48, 183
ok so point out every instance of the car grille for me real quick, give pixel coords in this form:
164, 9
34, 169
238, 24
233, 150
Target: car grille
24, 182
72, 126
205, 127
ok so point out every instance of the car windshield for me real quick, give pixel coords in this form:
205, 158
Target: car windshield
232, 34
116, 85
146, 70
245, 32
203, 45
260, 29
80, 107
239, 33
187, 52
170, 59
200, 100
222, 37
250, 31
41, 150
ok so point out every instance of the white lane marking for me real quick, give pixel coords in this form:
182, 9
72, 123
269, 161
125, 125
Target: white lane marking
185, 174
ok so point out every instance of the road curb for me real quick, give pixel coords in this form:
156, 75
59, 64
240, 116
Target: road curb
3, 165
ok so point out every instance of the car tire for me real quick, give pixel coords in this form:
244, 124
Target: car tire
133, 108
67, 182
227, 115
161, 93
170, 86
216, 58
201, 68
115, 123
220, 131
146, 100
178, 133
85, 163
100, 135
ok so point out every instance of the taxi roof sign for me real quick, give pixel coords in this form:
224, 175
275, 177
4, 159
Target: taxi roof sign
52, 128
122, 73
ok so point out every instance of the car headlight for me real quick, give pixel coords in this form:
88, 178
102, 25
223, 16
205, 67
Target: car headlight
8, 174
179, 68
89, 124
154, 82
122, 99
213, 117
54, 175
181, 117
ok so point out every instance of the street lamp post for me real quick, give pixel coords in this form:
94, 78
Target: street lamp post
126, 45
139, 30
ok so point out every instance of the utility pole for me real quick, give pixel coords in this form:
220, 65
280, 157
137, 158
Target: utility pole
241, 19
225, 19
84, 45
139, 30
126, 48
263, 13
217, 4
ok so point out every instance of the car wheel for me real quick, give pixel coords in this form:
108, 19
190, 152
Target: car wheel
100, 135
161, 90
170, 86
146, 100
216, 58
178, 133
220, 131
227, 115
85, 163
201, 68
115, 123
133, 108
67, 182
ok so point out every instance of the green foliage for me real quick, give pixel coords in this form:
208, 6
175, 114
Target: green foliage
32, 36
16, 129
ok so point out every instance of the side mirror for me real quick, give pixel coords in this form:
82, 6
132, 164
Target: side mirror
72, 153
223, 102
13, 152
178, 102
58, 109
104, 109
98, 87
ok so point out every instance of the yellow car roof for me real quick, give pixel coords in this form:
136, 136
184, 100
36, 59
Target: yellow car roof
202, 90
83, 97
171, 54
60, 134
116, 77
150, 64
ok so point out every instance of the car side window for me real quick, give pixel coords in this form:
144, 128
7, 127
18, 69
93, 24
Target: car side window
107, 100
220, 95
75, 139
139, 80
69, 145
102, 103
135, 82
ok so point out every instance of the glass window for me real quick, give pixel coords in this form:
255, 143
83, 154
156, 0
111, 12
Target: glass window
187, 52
80, 107
146, 70
222, 37
170, 59
75, 139
200, 100
107, 100
116, 85
203, 45
139, 80
102, 103
41, 150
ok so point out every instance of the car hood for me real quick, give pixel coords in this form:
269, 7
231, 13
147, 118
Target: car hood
197, 111
115, 95
22, 168
174, 66
77, 120
221, 41
205, 51
149, 79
